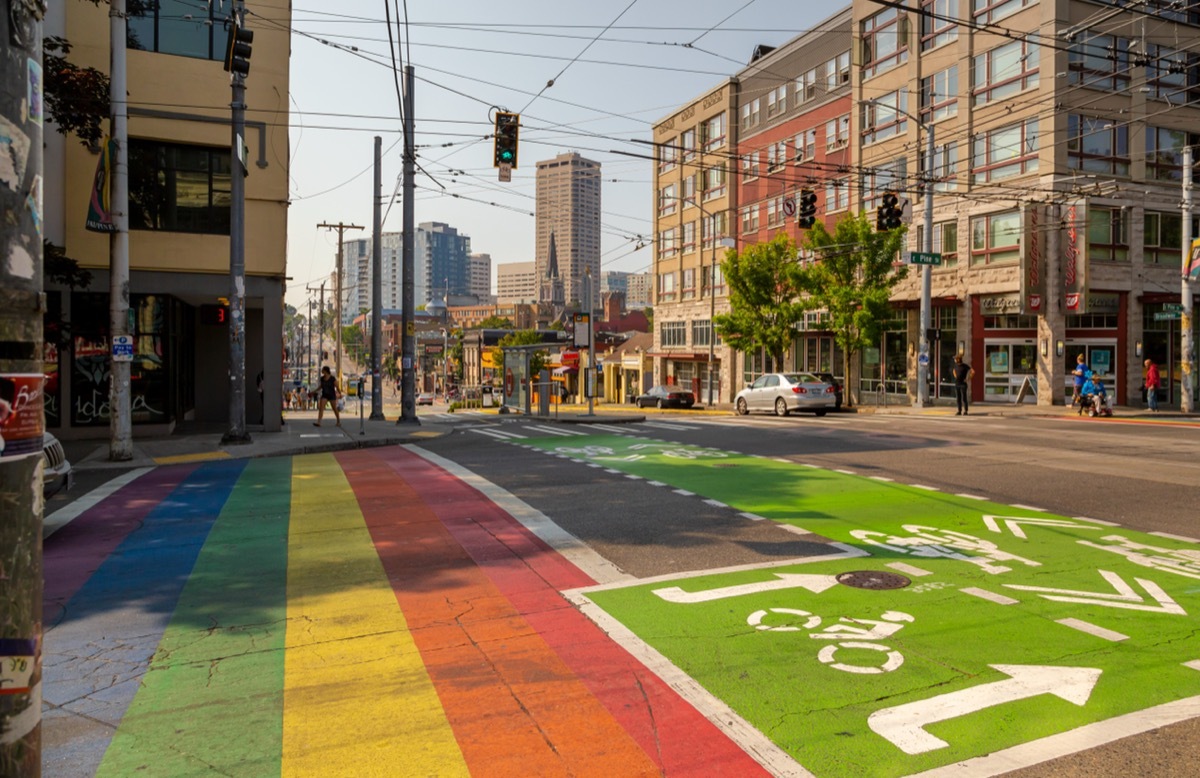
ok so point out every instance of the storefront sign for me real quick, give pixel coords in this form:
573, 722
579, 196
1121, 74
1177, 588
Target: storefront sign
1033, 259
999, 303
21, 420
1075, 259
1106, 302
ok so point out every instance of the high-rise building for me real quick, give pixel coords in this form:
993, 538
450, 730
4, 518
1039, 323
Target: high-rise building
516, 282
568, 207
480, 281
638, 289
357, 278
442, 267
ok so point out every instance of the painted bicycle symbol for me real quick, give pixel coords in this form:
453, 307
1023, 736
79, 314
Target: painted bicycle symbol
850, 634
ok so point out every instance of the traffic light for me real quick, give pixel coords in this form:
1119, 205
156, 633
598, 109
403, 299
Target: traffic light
237, 49
808, 208
507, 128
888, 216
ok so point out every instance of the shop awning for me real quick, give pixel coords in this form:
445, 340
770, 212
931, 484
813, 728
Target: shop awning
566, 371
685, 356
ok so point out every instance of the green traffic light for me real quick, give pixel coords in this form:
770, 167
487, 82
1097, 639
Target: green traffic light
506, 156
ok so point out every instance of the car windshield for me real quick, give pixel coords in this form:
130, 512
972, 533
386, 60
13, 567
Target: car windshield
802, 378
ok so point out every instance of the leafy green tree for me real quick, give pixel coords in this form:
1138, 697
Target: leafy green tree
494, 322
764, 298
537, 359
850, 276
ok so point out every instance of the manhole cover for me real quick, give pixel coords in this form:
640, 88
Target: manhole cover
873, 579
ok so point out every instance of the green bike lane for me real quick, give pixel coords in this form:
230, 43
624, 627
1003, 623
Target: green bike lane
946, 628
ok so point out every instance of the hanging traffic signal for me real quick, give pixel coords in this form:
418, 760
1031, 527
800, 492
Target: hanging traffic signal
507, 128
237, 49
888, 216
808, 208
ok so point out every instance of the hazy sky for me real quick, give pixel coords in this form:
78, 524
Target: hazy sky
610, 86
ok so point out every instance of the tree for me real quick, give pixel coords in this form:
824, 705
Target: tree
537, 359
851, 275
494, 322
764, 298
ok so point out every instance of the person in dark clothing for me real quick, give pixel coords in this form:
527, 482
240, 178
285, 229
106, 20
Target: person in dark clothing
328, 392
962, 375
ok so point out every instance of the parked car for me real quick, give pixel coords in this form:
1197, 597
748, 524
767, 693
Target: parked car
782, 393
829, 378
666, 397
425, 398
57, 474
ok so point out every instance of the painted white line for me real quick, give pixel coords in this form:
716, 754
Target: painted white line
539, 429
1027, 507
659, 425
575, 550
814, 467
984, 594
926, 488
1067, 743
1097, 521
1194, 664
1170, 536
610, 428
656, 483
845, 472
880, 478
633, 477
970, 496
68, 513
610, 470
753, 516
684, 492
792, 528
593, 464
783, 460
906, 568
498, 435
716, 503
1092, 629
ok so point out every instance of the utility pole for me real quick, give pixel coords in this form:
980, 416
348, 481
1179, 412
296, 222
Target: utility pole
337, 329
923, 355
321, 326
408, 378
1187, 344
120, 448
22, 306
377, 286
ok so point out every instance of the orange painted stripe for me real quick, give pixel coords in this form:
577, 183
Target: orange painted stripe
515, 707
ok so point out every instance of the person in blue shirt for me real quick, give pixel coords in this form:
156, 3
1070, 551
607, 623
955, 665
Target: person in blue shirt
1080, 372
1093, 394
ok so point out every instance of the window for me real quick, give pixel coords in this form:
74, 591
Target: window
1163, 241
1005, 152
939, 95
777, 101
1106, 235
750, 218
806, 87
178, 188
687, 141
750, 165
1097, 146
937, 26
995, 238
1164, 153
713, 227
945, 241
884, 41
689, 189
884, 178
668, 243
806, 145
750, 113
689, 237
667, 200
714, 182
945, 166
666, 291
775, 211
701, 332
1172, 75
1004, 71
673, 333
714, 131
837, 132
176, 27
885, 116
837, 71
991, 10
776, 155
837, 195
688, 287
1099, 62
668, 155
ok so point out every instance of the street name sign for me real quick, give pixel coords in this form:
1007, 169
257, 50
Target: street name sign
925, 258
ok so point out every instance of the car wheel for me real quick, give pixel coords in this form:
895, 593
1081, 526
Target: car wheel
821, 412
781, 408
660, 405
742, 410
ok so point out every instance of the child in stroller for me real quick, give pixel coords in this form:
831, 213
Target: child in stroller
1094, 398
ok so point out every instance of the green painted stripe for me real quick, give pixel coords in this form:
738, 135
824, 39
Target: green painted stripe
212, 700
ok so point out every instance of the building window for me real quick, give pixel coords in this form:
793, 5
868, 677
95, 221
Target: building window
687, 141
945, 241
777, 100
750, 113
885, 116
837, 71
995, 238
806, 87
1106, 235
667, 200
1097, 145
666, 287
750, 165
668, 155
176, 27
776, 155
884, 41
937, 25
837, 133
939, 95
1164, 153
1163, 241
1099, 62
714, 131
945, 166
750, 218
990, 10
775, 211
714, 182
837, 195
689, 189
178, 188
668, 243
713, 227
688, 287
806, 145
673, 333
1171, 74
883, 178
689, 237
1004, 71
701, 332
1005, 152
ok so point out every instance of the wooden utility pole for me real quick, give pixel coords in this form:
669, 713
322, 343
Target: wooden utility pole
337, 329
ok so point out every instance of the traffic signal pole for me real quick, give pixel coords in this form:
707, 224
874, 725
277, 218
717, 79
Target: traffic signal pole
120, 430
1187, 343
408, 375
923, 355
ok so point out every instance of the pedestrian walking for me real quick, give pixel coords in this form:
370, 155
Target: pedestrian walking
1080, 372
962, 375
1151, 385
328, 392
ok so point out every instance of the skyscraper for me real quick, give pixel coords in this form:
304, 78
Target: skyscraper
442, 267
568, 207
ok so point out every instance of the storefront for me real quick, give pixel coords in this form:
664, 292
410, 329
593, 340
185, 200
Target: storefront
1161, 338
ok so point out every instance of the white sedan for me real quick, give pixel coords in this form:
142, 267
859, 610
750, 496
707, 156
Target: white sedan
782, 393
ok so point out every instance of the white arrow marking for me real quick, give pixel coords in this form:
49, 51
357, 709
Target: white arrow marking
1125, 596
814, 583
1014, 524
903, 724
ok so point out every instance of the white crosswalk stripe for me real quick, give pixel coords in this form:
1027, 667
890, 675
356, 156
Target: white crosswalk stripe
499, 435
618, 429
662, 425
547, 430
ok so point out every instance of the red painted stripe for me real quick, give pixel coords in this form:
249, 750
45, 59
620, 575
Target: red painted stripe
530, 575
76, 551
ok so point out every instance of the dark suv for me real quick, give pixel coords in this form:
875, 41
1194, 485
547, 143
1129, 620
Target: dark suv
837, 387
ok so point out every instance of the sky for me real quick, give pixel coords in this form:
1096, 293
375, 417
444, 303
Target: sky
617, 68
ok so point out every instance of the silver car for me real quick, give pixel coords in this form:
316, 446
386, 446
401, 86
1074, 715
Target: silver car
782, 393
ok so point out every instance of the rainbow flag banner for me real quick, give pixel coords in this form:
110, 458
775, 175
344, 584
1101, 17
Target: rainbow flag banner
1192, 271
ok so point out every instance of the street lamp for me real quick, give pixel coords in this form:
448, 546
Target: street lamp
923, 357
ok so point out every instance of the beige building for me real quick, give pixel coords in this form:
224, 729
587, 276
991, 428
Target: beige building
516, 282
568, 207
179, 196
479, 278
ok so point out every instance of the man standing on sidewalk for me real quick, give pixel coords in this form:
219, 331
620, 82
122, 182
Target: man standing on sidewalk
1152, 385
962, 375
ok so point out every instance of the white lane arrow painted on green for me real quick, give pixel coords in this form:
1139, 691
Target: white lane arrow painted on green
814, 583
1013, 523
904, 725
1124, 596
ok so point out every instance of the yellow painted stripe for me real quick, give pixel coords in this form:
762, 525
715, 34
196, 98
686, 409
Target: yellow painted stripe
357, 699
181, 459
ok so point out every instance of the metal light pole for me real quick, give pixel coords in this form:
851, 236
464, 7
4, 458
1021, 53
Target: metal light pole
923, 357
1187, 344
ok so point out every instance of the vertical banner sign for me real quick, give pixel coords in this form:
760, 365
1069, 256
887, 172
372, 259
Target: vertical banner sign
1033, 261
99, 218
1075, 261
1192, 271
580, 322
